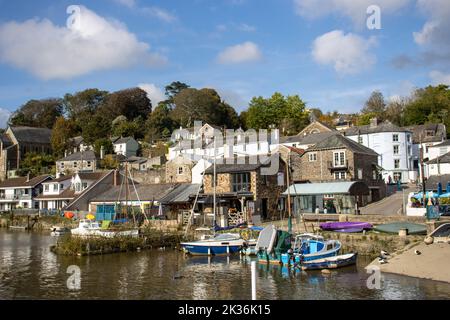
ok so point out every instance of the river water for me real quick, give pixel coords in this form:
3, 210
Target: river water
28, 270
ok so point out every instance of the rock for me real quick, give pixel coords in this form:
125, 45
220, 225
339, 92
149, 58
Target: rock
326, 271
428, 240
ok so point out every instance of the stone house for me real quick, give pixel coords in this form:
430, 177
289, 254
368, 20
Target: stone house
246, 187
17, 142
179, 170
85, 161
339, 159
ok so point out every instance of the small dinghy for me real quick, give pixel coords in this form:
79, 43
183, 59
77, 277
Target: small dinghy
331, 263
395, 227
348, 227
441, 234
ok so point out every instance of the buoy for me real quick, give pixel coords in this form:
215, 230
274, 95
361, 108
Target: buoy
428, 240
417, 252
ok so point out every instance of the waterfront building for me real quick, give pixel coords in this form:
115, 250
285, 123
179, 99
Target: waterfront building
394, 146
20, 192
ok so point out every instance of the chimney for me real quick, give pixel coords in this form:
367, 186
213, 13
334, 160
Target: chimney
373, 122
65, 153
28, 177
102, 152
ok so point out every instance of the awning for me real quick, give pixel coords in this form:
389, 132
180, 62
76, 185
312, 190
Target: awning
345, 187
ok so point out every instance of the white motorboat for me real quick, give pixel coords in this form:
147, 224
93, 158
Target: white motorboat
59, 231
88, 228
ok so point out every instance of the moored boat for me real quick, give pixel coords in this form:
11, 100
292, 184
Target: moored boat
348, 227
271, 244
222, 244
59, 231
305, 250
331, 263
89, 228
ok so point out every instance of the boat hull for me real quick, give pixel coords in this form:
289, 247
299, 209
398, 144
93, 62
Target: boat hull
347, 227
331, 263
211, 249
105, 234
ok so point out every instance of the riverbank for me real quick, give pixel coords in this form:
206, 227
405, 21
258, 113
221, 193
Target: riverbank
432, 263
84, 246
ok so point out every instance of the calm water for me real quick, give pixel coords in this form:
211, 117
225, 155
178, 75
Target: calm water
28, 270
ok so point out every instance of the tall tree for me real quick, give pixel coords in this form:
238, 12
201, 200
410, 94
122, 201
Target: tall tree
202, 105
175, 88
38, 113
130, 103
376, 105
160, 124
63, 131
430, 104
83, 102
286, 113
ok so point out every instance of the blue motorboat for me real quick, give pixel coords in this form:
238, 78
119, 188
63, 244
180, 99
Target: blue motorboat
309, 249
222, 244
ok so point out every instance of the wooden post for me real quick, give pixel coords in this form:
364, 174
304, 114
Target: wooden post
253, 280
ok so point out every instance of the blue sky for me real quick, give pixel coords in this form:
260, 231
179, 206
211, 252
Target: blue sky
321, 50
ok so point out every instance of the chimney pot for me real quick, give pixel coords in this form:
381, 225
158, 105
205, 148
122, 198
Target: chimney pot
373, 122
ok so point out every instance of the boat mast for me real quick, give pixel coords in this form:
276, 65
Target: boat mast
214, 183
289, 192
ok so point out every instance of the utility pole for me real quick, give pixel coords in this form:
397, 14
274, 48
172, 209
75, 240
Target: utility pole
422, 173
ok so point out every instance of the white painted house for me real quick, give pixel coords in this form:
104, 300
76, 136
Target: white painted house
394, 146
438, 150
438, 166
21, 192
127, 146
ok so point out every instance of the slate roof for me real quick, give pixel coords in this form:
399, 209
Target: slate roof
381, 127
76, 141
67, 194
249, 165
22, 182
6, 140
87, 155
418, 130
442, 159
32, 135
338, 142
308, 139
123, 140
181, 194
145, 192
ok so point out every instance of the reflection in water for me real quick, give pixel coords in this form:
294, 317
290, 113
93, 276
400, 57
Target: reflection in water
29, 270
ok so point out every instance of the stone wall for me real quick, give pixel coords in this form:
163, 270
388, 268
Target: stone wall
172, 170
150, 176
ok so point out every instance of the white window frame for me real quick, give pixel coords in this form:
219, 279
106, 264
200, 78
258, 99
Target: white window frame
180, 171
340, 175
360, 140
340, 161
396, 147
395, 137
395, 163
312, 157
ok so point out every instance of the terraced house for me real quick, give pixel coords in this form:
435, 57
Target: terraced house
21, 192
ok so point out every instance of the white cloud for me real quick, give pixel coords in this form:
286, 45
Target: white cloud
348, 53
245, 52
435, 31
52, 52
4, 117
439, 77
354, 9
154, 93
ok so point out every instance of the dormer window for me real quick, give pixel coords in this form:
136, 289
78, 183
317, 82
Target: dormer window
46, 187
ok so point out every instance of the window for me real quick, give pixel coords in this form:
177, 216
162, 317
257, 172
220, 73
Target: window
85, 185
312, 157
46, 187
396, 149
89, 163
427, 148
240, 182
360, 140
360, 174
429, 133
62, 165
55, 187
339, 159
75, 164
180, 170
408, 138
340, 175
397, 176
395, 137
374, 174
61, 186
397, 163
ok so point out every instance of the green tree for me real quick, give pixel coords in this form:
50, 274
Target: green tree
97, 127
82, 103
38, 113
430, 104
36, 164
364, 119
130, 103
202, 105
63, 131
107, 145
160, 124
287, 113
175, 88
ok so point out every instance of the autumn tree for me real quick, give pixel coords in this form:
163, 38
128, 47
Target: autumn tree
375, 105
63, 130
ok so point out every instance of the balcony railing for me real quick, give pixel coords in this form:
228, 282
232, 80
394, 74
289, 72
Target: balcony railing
337, 166
15, 196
